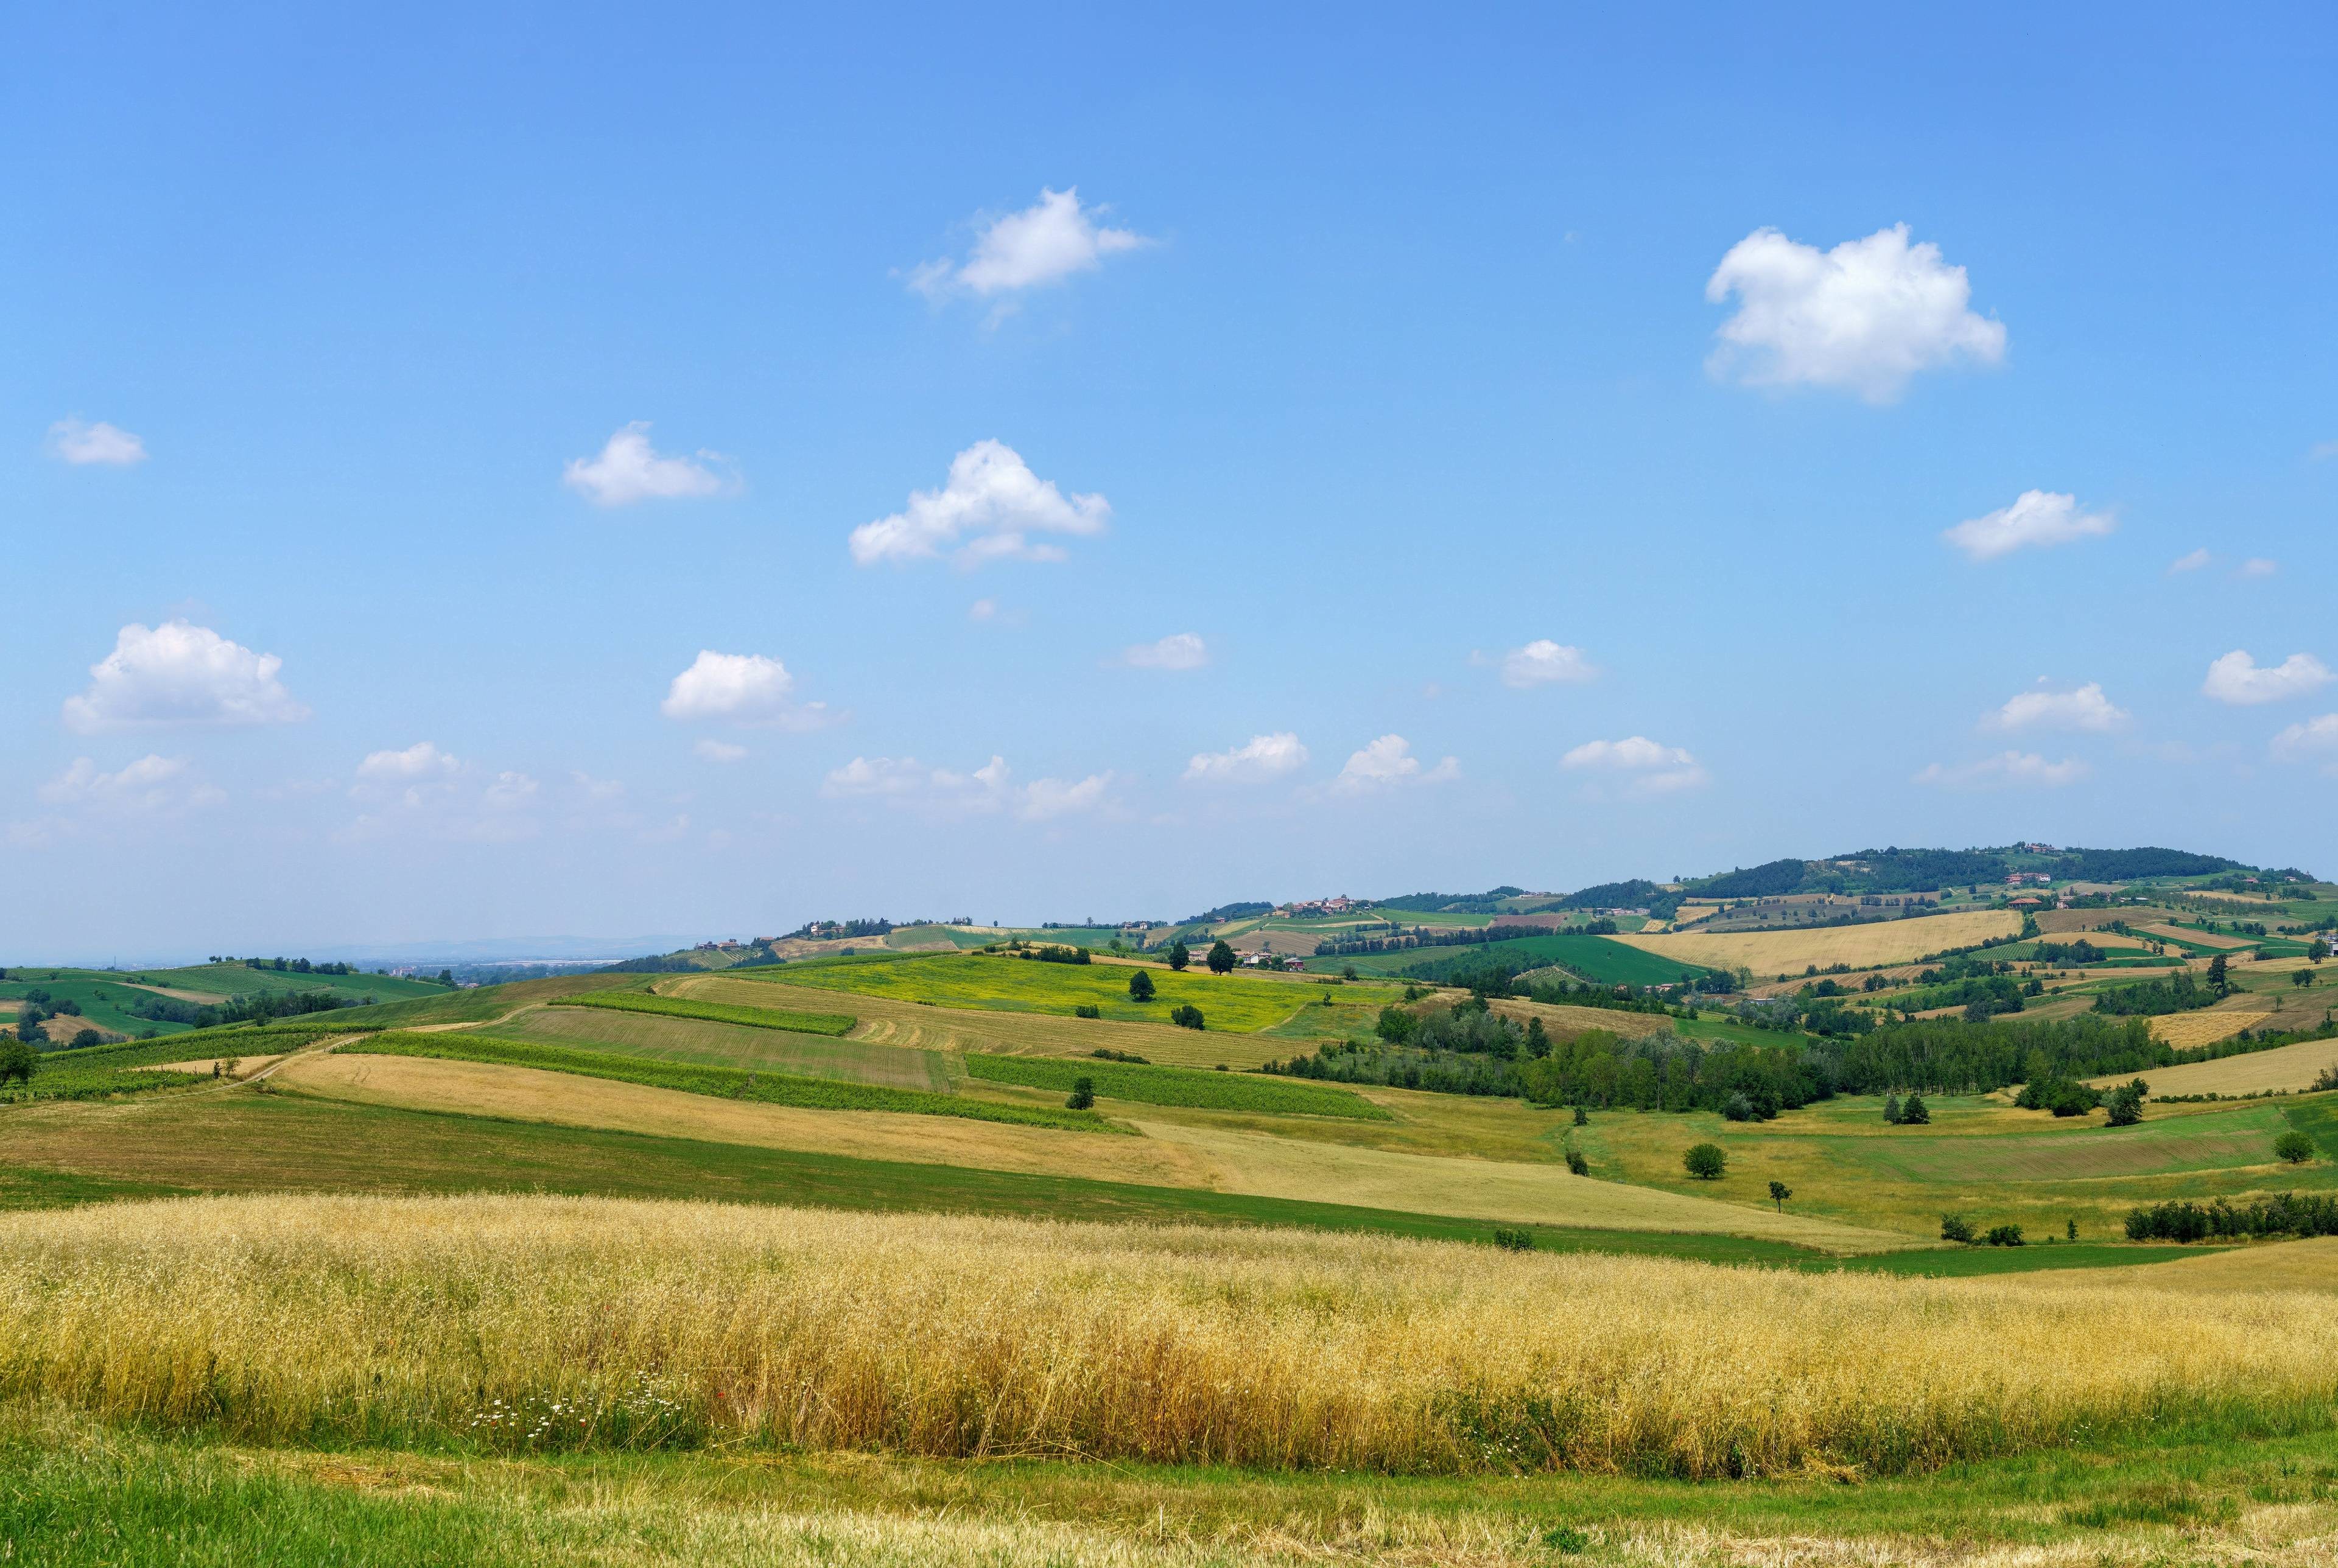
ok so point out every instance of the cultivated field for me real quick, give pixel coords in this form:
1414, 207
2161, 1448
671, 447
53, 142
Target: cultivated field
722, 1045
2291, 1067
1768, 953
519, 1323
2205, 1026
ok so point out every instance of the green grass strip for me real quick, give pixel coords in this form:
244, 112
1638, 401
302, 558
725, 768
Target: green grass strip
835, 1023
1177, 1086
719, 1082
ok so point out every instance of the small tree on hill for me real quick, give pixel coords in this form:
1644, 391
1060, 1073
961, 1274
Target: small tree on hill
1140, 985
2125, 1104
2295, 1147
1706, 1161
1180, 956
1912, 1112
1222, 958
1083, 1095
17, 1061
2219, 980
1779, 1193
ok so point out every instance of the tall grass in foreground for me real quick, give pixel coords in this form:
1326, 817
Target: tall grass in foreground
557, 1322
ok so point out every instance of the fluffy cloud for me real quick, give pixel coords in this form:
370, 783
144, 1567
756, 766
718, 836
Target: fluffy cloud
2188, 563
420, 760
2037, 518
2240, 680
742, 688
629, 470
987, 511
720, 751
1044, 243
2256, 566
1388, 762
2005, 770
78, 442
1645, 765
2314, 738
176, 674
2084, 708
1865, 317
1262, 757
1544, 662
1179, 650
150, 784
1045, 799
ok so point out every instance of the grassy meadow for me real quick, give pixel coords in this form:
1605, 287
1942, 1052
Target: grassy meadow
1177, 1086
1603, 960
715, 1043
718, 1012
492, 1325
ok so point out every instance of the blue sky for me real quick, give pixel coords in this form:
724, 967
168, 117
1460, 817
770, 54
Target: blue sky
581, 472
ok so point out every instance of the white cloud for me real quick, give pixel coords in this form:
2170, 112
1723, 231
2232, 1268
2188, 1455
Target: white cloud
78, 442
2037, 518
2314, 738
908, 782
420, 760
746, 688
1543, 663
2191, 563
1262, 757
982, 610
1649, 766
509, 792
987, 511
2257, 566
629, 470
1865, 317
1388, 762
1044, 244
720, 751
176, 673
2005, 770
2240, 680
151, 783
2084, 708
597, 791
1047, 799
1179, 650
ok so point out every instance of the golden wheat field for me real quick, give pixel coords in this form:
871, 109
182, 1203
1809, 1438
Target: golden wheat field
2185, 1030
558, 1322
1768, 953
2292, 1067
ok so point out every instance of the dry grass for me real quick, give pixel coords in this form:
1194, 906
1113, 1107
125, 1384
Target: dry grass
2292, 1067
2308, 1265
245, 1066
1768, 953
578, 1322
1569, 1022
2204, 1027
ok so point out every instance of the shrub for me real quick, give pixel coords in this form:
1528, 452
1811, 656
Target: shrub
1106, 1053
1083, 1096
2004, 1235
1706, 1161
1576, 1165
1955, 1228
17, 1061
1583, 1117
1087, 1010
1738, 1107
2295, 1147
1186, 1017
1140, 985
1566, 1539
1513, 1240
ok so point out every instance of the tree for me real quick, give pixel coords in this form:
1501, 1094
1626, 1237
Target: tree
2125, 1104
1347, 972
2320, 950
1955, 1227
1582, 1117
1140, 985
1892, 1109
1186, 1017
1083, 1095
2302, 977
1538, 1039
1576, 1165
2295, 1147
17, 1061
1706, 1161
1222, 958
1179, 955
1912, 1112
1779, 1193
2217, 981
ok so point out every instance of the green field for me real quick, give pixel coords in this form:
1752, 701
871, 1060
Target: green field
721, 1083
718, 1012
1238, 1003
720, 1045
1175, 1086
1597, 959
105, 1005
484, 1003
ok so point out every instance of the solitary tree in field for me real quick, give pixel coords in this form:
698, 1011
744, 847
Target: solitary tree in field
1083, 1095
1140, 986
1706, 1161
2217, 980
1892, 1109
1582, 1117
2295, 1147
2302, 977
17, 1061
1912, 1112
1180, 956
1779, 1193
1222, 958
